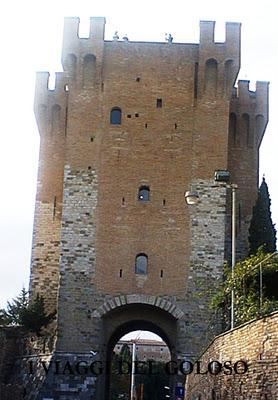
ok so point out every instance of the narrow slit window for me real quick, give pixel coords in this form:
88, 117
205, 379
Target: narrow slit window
141, 264
54, 206
144, 193
196, 80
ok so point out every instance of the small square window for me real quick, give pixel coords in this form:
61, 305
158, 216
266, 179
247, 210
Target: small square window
158, 103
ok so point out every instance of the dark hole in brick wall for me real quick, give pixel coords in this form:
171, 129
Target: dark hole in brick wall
196, 80
138, 79
54, 206
121, 273
123, 201
164, 202
146, 125
176, 125
92, 138
158, 103
128, 115
89, 167
161, 273
136, 115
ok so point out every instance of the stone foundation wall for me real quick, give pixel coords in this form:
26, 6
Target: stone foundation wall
17, 350
256, 343
9, 350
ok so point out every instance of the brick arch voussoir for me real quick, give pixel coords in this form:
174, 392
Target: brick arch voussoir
123, 300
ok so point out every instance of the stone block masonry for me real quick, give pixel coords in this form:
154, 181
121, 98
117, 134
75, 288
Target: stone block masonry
256, 343
127, 117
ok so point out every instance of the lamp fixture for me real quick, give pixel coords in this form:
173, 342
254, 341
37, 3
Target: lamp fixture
191, 197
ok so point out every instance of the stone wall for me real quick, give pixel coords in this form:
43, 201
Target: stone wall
256, 343
9, 351
175, 101
18, 350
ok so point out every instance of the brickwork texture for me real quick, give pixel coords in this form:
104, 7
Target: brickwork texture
256, 343
130, 116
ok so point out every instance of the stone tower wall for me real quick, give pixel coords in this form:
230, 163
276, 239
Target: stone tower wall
176, 100
248, 121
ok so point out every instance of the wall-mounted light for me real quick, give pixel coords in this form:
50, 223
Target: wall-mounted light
191, 197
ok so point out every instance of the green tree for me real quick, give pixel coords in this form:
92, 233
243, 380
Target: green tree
34, 317
31, 315
3, 318
262, 231
12, 314
246, 285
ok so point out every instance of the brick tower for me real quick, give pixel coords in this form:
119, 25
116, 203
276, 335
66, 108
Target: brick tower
129, 127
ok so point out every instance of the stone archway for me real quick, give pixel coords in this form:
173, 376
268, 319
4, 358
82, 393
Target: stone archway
123, 300
132, 314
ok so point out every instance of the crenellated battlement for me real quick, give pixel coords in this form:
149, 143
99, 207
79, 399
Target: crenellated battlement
50, 104
218, 63
249, 113
128, 128
71, 31
232, 33
245, 95
75, 48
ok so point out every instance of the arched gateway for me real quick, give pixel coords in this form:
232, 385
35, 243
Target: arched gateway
115, 247
136, 316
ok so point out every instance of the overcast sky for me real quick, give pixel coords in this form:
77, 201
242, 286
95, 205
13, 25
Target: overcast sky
31, 36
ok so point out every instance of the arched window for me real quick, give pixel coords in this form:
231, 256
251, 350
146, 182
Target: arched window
116, 116
246, 130
233, 128
55, 120
141, 264
260, 127
228, 76
211, 77
144, 193
70, 65
89, 69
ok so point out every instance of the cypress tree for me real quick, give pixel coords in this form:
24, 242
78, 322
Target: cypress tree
262, 231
